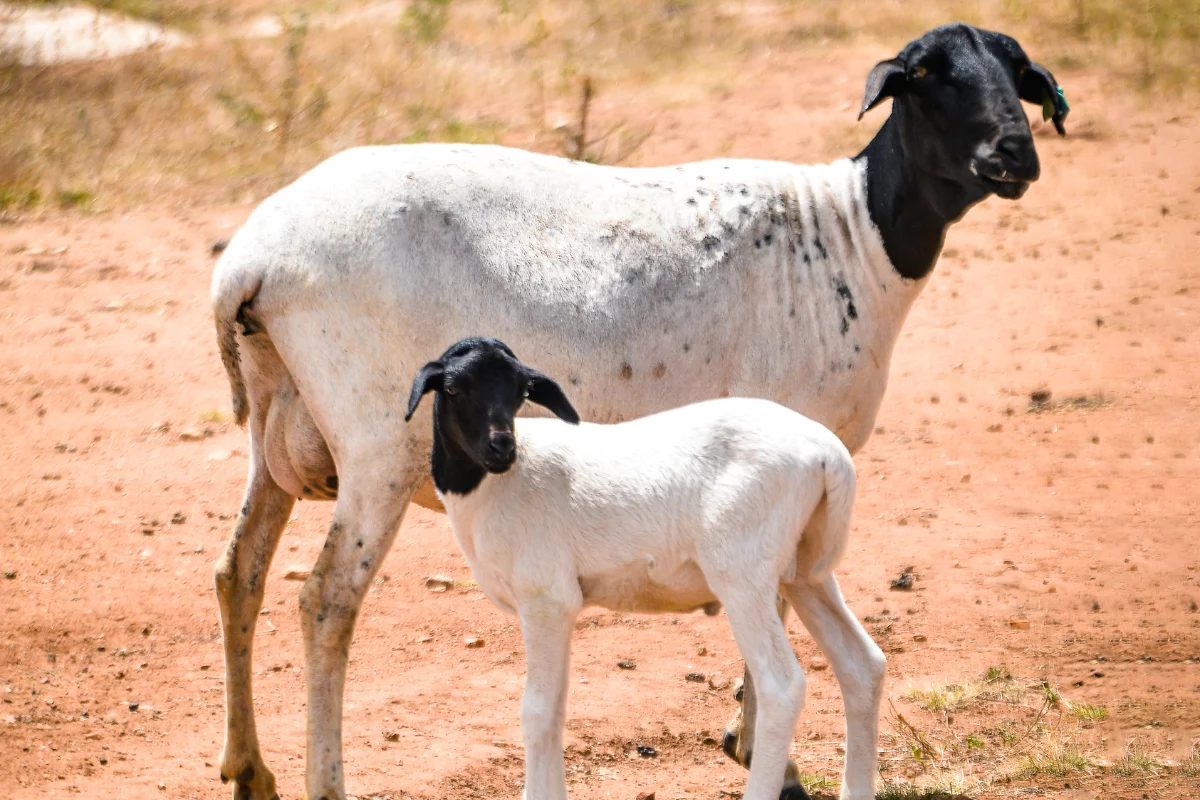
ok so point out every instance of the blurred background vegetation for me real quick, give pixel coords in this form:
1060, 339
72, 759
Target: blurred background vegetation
262, 90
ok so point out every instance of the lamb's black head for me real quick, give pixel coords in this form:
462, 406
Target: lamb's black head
480, 385
957, 93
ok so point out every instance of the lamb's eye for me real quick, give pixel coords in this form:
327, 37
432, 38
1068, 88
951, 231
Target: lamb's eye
526, 390
450, 390
918, 72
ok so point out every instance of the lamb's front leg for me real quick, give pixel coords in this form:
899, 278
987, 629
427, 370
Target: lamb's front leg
546, 625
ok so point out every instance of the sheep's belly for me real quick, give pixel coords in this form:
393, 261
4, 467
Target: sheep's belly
647, 589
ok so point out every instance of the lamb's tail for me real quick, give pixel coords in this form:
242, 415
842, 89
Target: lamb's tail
829, 528
234, 287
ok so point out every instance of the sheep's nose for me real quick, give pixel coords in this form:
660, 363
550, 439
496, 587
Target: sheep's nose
1018, 157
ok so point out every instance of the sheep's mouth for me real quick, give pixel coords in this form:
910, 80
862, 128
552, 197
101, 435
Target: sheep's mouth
1001, 183
1007, 187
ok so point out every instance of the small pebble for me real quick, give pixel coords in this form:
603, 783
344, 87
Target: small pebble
438, 583
627, 664
905, 582
718, 683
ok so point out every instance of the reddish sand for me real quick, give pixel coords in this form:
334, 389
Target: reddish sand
1081, 518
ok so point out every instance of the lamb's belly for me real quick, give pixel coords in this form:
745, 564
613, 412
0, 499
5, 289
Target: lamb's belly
645, 589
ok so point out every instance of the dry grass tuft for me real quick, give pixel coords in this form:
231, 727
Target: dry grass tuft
256, 99
1004, 734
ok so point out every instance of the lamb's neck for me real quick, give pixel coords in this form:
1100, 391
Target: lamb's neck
912, 209
454, 472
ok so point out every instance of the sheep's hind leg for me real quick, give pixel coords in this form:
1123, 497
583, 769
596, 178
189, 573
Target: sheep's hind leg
240, 576
369, 510
738, 741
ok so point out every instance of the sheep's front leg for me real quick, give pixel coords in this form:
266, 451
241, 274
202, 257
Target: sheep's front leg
240, 576
738, 741
546, 625
364, 525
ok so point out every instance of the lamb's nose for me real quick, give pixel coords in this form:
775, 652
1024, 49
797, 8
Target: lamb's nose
502, 445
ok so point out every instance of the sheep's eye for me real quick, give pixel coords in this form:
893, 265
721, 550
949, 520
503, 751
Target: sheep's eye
450, 390
918, 72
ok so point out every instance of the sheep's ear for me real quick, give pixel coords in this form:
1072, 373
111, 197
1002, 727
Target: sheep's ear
429, 379
545, 392
1038, 86
886, 80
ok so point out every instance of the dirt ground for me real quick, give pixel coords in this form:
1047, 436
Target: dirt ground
1077, 514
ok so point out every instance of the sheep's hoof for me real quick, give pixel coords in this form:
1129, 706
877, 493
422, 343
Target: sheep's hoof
252, 784
729, 745
794, 793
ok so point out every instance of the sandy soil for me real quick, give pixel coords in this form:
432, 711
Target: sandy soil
1080, 517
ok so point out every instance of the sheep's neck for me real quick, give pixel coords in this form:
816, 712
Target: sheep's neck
912, 208
453, 470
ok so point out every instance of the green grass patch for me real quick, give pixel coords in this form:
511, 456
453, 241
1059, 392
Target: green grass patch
816, 783
1053, 760
1135, 763
1089, 713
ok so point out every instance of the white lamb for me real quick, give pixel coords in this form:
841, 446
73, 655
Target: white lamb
730, 501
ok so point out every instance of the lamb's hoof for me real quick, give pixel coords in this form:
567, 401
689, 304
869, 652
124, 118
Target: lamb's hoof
794, 793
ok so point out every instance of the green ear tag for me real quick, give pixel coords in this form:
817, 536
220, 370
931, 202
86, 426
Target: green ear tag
1048, 104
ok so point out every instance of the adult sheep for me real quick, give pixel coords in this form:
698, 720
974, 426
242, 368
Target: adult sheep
644, 288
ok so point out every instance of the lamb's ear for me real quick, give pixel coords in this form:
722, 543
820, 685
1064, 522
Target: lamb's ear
545, 392
1038, 86
429, 379
886, 80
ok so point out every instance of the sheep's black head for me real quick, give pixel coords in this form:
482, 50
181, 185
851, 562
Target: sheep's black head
480, 385
958, 93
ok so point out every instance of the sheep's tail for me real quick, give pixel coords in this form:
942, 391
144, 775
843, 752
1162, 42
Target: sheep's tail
234, 288
829, 528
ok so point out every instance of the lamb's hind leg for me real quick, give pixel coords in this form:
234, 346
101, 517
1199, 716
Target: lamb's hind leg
762, 638
240, 576
859, 665
738, 741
